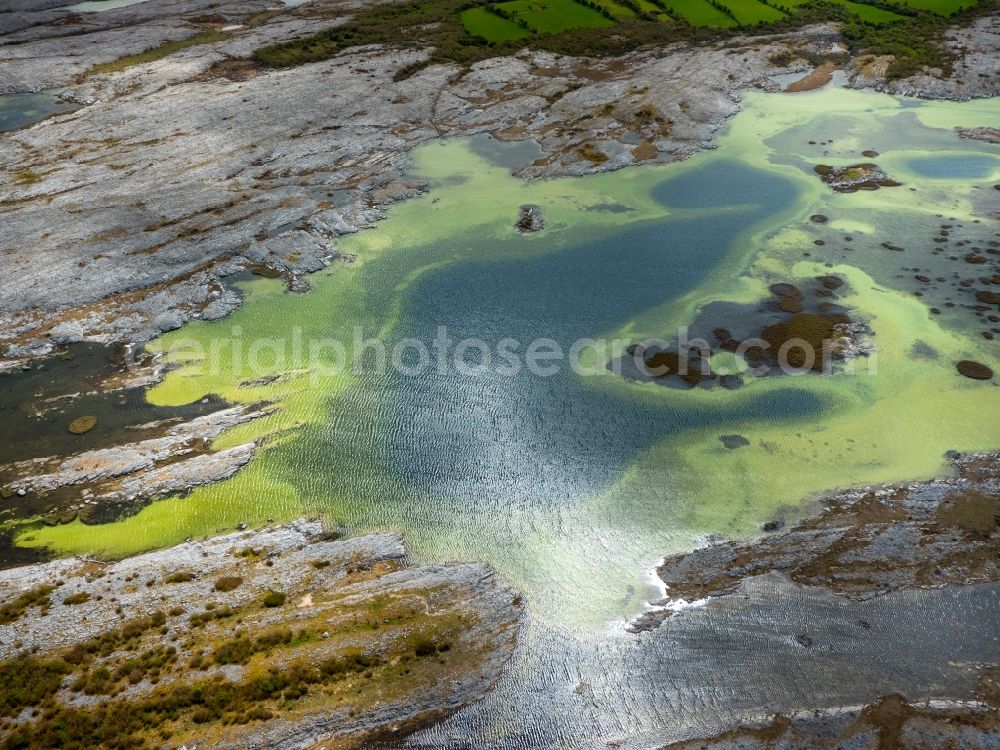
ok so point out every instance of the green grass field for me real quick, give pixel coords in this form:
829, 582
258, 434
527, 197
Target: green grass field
491, 27
554, 16
466, 31
616, 9
869, 13
700, 13
749, 12
941, 7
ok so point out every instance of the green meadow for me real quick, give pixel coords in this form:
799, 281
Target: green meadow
700, 13
749, 12
555, 16
490, 26
864, 11
940, 7
519, 19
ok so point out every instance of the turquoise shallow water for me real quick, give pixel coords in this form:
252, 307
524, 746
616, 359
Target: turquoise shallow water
955, 166
20, 110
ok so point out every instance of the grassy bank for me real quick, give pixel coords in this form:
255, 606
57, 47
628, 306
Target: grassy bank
464, 32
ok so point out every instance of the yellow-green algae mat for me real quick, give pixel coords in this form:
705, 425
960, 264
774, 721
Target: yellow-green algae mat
891, 418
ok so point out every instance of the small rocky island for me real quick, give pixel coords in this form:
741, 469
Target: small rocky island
274, 639
530, 220
855, 177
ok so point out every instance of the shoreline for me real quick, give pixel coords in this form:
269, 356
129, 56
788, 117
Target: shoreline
859, 543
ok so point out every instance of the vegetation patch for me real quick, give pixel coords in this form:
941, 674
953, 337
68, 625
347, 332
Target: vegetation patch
555, 16
753, 12
273, 599
36, 597
27, 177
465, 31
941, 7
357, 659
210, 615
493, 27
702, 13
228, 583
26, 681
155, 53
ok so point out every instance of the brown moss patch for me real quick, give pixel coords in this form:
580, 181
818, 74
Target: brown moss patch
975, 513
816, 78
692, 370
644, 151
591, 153
233, 69
813, 329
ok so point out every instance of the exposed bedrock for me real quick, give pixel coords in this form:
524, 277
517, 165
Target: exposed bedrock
865, 542
272, 639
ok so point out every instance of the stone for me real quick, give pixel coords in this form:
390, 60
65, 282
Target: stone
974, 370
732, 442
81, 425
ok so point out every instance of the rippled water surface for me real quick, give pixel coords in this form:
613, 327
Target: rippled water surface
574, 485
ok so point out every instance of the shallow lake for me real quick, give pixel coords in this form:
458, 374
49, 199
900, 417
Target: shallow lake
574, 482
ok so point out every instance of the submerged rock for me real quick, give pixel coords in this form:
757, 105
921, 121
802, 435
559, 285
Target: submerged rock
81, 425
988, 135
732, 442
530, 220
974, 370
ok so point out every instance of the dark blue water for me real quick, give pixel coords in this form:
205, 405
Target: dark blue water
954, 166
490, 443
